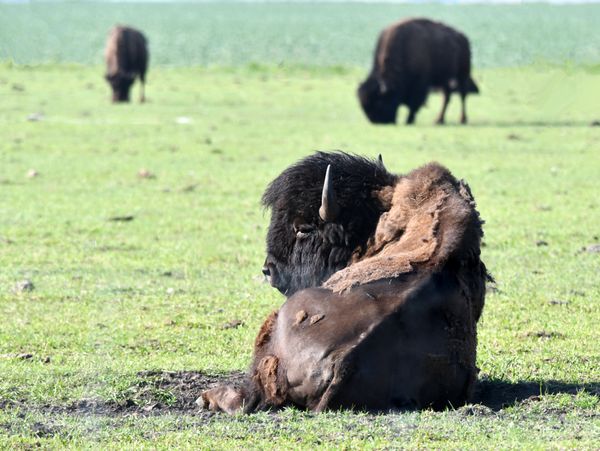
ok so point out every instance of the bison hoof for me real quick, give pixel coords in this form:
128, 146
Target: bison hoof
221, 399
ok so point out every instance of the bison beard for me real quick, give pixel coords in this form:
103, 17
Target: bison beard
385, 289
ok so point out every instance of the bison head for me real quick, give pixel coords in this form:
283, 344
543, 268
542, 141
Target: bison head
324, 209
379, 103
121, 85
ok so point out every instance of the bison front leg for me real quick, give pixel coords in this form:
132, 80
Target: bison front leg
142, 94
225, 398
442, 116
463, 114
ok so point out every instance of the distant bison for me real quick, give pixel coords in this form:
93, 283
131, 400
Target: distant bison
126, 57
385, 287
411, 58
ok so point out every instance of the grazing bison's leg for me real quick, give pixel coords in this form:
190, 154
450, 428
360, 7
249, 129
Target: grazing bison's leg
463, 114
417, 98
445, 102
142, 83
464, 90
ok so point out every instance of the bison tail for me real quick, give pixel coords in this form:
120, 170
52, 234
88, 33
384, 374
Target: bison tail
472, 87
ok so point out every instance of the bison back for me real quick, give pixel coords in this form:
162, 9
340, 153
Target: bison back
126, 52
421, 50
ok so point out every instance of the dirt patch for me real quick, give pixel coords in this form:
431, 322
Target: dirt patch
155, 393
42, 430
544, 334
593, 248
475, 410
176, 390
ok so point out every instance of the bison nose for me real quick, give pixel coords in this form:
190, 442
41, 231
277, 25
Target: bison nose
266, 271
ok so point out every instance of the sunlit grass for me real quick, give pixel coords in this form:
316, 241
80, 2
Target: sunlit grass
114, 298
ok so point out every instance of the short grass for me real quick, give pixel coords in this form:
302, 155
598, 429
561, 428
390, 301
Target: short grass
113, 298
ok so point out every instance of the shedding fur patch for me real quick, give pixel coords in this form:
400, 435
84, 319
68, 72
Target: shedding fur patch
264, 334
266, 376
316, 318
429, 215
300, 316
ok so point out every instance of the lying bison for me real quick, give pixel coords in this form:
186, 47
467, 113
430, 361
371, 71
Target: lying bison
384, 284
411, 58
126, 57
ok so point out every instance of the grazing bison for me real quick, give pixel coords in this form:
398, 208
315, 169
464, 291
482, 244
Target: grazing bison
126, 57
385, 286
411, 58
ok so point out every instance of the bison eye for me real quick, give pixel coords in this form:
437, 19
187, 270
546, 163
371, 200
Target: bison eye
303, 230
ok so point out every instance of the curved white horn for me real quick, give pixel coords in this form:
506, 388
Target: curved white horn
329, 208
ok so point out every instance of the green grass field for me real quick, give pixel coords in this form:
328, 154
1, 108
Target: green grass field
115, 298
129, 319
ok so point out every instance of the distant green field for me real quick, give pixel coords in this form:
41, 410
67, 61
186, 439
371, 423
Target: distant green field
227, 34
114, 299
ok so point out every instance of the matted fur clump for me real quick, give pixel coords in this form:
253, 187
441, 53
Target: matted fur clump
395, 326
431, 220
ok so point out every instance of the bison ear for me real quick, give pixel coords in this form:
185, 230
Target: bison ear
329, 208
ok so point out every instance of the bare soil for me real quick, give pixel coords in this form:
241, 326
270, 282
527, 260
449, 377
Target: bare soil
165, 392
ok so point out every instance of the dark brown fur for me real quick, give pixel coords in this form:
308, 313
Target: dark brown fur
396, 328
126, 56
412, 57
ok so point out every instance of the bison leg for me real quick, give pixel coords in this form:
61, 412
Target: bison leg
142, 95
463, 114
445, 102
339, 377
222, 399
142, 85
416, 100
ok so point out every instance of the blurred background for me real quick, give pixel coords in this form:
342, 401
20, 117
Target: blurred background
316, 33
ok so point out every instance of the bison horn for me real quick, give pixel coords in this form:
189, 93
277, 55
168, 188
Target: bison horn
380, 161
329, 207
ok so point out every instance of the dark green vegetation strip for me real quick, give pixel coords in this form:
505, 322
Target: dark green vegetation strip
177, 286
227, 34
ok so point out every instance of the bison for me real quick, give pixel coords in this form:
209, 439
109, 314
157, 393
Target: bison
385, 287
412, 57
126, 56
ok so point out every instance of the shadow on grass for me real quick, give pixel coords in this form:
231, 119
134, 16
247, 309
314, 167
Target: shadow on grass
498, 394
549, 124
591, 123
